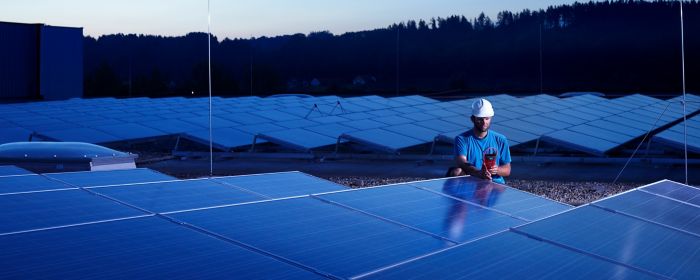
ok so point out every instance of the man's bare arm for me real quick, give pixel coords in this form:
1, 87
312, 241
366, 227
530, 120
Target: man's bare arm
470, 169
503, 170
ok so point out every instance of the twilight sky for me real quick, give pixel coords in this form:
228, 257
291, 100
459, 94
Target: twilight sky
246, 18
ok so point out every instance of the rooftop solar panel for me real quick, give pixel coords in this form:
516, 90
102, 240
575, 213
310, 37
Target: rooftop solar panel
678, 141
452, 219
650, 247
14, 134
113, 177
6, 170
29, 183
172, 126
222, 138
415, 131
299, 139
601, 133
332, 130
495, 258
159, 197
297, 123
361, 242
657, 209
382, 139
85, 134
129, 131
525, 126
513, 134
675, 191
580, 141
39, 210
494, 196
134, 248
279, 185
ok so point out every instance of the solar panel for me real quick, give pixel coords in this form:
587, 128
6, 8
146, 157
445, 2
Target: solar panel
329, 238
279, 185
131, 131
83, 134
159, 197
441, 215
112, 177
415, 131
580, 141
331, 130
299, 139
656, 208
6, 170
501, 198
14, 134
676, 191
134, 248
382, 139
38, 210
222, 138
496, 257
29, 183
601, 133
172, 126
650, 247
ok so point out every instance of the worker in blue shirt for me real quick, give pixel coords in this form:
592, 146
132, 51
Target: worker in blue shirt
481, 152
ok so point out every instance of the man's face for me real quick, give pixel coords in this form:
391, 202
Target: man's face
481, 124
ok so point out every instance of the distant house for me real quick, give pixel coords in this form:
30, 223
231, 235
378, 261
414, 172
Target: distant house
39, 61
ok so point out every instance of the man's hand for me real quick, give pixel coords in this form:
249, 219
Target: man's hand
494, 170
485, 174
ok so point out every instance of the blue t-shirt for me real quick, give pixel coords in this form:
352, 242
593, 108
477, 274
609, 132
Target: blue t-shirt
468, 145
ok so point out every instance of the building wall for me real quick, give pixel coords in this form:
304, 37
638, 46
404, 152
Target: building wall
39, 61
61, 62
19, 61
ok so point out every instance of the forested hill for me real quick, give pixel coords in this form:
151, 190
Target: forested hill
620, 46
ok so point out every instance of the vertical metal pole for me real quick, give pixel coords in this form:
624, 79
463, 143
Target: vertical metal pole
685, 126
541, 78
251, 65
211, 147
398, 31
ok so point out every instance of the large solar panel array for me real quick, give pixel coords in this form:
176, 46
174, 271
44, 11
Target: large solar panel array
586, 123
648, 233
278, 225
681, 134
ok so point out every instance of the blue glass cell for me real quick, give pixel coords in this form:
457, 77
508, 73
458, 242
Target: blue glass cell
496, 257
278, 185
178, 195
12, 170
29, 183
112, 177
317, 234
657, 209
140, 248
625, 239
438, 214
676, 191
499, 197
37, 210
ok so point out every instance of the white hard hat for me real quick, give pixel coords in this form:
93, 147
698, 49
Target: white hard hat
482, 108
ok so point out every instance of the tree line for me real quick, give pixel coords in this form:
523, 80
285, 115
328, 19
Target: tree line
620, 46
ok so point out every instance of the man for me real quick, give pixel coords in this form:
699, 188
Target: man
470, 147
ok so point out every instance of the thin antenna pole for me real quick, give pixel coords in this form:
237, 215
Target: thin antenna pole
685, 126
251, 66
541, 78
211, 145
398, 31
